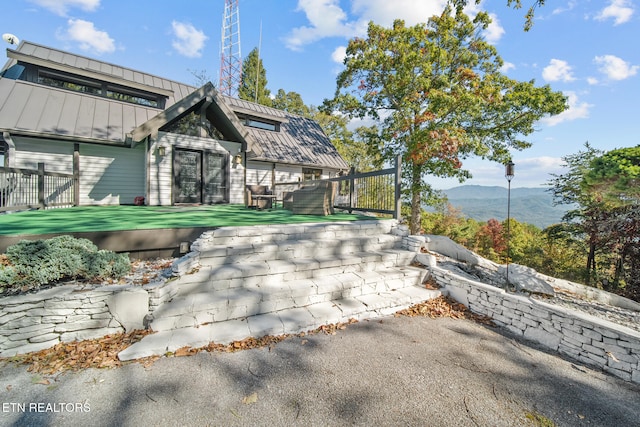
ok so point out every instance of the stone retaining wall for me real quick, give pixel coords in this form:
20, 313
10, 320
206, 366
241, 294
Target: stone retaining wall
66, 313
41, 320
593, 341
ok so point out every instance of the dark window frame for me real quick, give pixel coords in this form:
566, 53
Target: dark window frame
97, 88
311, 174
259, 123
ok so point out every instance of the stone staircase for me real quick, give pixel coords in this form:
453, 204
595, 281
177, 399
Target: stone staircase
274, 279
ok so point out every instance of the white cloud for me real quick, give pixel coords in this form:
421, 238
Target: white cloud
570, 5
384, 12
494, 31
90, 38
189, 41
592, 80
557, 70
327, 19
618, 10
535, 171
615, 68
577, 110
507, 66
339, 54
543, 162
60, 7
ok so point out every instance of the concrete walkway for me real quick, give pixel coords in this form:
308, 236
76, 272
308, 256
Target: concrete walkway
389, 371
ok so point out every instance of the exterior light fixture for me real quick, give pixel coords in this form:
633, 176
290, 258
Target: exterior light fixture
237, 159
509, 173
162, 151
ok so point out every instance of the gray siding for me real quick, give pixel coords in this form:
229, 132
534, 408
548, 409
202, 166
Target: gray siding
111, 175
57, 156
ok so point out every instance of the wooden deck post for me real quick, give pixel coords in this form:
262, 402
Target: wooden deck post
76, 174
40, 185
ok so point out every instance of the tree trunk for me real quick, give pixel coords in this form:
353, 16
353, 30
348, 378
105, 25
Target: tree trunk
416, 210
591, 259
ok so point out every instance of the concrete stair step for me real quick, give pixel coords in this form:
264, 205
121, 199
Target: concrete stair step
198, 308
280, 232
215, 255
210, 278
285, 321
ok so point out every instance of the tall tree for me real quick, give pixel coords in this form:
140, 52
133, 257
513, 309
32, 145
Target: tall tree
587, 211
439, 97
253, 82
516, 4
291, 102
614, 177
614, 181
604, 189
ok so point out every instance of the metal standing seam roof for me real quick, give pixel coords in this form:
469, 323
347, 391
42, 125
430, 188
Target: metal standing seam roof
299, 141
31, 108
36, 110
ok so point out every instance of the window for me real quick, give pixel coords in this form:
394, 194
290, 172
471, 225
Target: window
309, 174
79, 84
68, 83
255, 122
191, 124
131, 96
3, 150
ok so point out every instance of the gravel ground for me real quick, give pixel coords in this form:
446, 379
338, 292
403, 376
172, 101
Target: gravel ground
399, 371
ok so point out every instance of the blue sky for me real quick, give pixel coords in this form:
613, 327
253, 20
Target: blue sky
587, 49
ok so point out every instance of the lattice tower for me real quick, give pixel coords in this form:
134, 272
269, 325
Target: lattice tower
230, 58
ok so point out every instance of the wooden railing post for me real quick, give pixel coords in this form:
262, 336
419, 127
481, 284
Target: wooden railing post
398, 194
41, 185
76, 174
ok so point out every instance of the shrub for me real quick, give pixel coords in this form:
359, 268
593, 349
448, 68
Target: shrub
7, 276
37, 262
104, 264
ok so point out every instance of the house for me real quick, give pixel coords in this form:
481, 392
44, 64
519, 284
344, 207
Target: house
127, 133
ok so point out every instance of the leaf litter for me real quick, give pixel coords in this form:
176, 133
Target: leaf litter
102, 353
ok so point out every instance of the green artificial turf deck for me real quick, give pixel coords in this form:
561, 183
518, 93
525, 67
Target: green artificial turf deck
115, 218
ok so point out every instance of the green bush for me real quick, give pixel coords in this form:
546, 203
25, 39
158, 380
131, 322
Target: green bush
104, 264
37, 262
7, 276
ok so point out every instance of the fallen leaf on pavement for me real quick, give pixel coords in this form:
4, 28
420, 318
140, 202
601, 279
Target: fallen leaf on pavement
444, 307
252, 398
97, 353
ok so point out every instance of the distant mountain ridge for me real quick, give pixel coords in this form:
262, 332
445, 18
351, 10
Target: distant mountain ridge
530, 205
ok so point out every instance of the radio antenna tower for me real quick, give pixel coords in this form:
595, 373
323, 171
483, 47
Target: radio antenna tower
230, 58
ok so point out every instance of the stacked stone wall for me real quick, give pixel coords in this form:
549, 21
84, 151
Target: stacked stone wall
37, 321
590, 340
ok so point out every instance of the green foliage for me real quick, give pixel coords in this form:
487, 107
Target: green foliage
104, 264
604, 188
291, 102
614, 177
438, 95
253, 82
7, 276
33, 263
516, 4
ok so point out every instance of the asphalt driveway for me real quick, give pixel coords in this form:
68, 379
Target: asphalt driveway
398, 371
